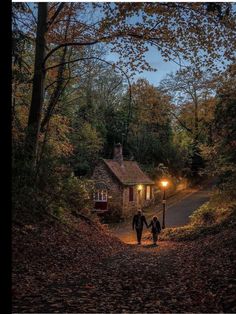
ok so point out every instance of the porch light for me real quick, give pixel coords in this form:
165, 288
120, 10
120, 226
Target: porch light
140, 187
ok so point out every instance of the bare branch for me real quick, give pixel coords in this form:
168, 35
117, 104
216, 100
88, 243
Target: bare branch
60, 7
181, 122
34, 17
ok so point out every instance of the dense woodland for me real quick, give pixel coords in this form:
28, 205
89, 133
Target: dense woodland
70, 105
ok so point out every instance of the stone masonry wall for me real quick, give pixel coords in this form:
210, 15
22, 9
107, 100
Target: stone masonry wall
118, 195
115, 190
130, 208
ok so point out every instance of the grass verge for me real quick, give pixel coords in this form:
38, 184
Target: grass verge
211, 218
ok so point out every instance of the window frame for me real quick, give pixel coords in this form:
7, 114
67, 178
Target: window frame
100, 196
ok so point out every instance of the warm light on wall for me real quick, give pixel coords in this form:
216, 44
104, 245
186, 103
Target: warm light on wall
164, 183
140, 187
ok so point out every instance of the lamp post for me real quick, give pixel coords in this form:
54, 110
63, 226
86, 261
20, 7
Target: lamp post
164, 184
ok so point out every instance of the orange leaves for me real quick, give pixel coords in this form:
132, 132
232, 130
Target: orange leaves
150, 104
71, 265
20, 122
58, 136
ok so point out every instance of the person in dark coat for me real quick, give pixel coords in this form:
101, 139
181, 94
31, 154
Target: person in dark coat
138, 221
156, 229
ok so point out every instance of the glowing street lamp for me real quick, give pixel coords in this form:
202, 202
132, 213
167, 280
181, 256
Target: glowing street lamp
164, 184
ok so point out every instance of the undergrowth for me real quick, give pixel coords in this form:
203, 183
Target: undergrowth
211, 218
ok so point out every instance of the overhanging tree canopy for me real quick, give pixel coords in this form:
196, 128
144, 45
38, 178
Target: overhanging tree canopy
191, 31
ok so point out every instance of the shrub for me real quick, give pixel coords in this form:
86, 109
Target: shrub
48, 187
76, 193
209, 214
205, 215
210, 218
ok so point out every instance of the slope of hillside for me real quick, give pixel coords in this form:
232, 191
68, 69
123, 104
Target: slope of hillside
42, 253
82, 269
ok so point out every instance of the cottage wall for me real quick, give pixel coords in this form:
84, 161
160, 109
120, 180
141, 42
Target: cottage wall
115, 203
118, 195
131, 207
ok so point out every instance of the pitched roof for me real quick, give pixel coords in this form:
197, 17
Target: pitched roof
129, 173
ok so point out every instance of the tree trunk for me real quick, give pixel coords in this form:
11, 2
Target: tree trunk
197, 161
56, 93
196, 122
37, 98
59, 84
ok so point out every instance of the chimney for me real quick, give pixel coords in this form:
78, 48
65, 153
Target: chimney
118, 155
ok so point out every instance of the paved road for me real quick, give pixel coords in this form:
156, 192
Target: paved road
176, 214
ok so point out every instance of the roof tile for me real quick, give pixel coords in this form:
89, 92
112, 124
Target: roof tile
129, 173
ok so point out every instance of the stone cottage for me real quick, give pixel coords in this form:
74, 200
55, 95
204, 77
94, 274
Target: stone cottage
121, 186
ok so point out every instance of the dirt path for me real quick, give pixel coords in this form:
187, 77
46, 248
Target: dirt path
170, 278
174, 277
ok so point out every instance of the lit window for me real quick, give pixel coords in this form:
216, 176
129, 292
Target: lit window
104, 195
100, 195
148, 192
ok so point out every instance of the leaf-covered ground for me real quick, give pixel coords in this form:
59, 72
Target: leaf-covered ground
83, 270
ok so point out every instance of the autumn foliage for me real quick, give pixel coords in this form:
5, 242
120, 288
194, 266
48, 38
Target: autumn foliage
71, 104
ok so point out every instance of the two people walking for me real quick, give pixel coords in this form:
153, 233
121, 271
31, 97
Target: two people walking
139, 220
